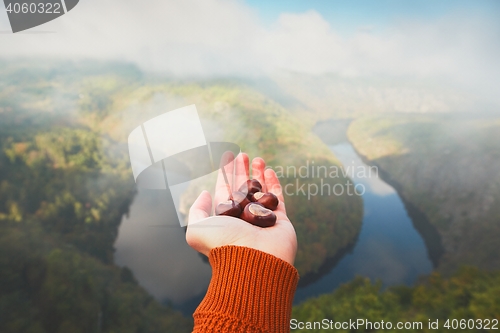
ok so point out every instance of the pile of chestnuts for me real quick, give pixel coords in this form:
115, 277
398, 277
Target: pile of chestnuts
250, 204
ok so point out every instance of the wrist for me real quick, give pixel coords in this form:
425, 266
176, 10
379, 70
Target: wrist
250, 287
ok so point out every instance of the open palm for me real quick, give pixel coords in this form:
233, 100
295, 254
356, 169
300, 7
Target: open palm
204, 233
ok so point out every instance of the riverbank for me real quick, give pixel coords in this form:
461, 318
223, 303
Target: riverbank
446, 167
388, 248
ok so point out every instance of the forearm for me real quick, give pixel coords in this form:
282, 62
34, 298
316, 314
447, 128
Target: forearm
250, 291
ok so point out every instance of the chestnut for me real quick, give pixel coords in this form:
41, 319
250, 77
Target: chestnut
228, 208
240, 198
268, 200
258, 215
250, 187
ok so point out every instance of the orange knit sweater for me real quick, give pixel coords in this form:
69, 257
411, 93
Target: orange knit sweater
250, 292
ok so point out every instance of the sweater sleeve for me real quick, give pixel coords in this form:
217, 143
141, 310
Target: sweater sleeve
250, 292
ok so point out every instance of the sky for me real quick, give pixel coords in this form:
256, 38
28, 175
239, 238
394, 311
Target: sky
347, 16
456, 41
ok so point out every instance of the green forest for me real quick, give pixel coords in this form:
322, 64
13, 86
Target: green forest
458, 184
65, 183
63, 194
469, 294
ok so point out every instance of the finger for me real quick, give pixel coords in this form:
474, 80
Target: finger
258, 167
281, 212
273, 184
241, 170
222, 192
201, 208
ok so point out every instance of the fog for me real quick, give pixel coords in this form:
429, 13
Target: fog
458, 50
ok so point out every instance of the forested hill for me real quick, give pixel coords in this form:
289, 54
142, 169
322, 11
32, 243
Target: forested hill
465, 302
448, 167
62, 197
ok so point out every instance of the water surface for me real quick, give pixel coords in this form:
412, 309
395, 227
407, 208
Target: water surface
154, 248
388, 247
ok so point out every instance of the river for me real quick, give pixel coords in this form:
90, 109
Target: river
388, 247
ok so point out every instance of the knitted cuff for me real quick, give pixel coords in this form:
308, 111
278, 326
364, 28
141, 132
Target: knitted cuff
250, 291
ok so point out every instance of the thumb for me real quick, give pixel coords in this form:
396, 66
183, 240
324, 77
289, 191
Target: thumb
201, 208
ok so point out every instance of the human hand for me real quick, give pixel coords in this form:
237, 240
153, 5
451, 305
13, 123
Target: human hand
205, 234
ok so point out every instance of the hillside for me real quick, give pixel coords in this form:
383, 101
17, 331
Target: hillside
63, 196
447, 167
468, 297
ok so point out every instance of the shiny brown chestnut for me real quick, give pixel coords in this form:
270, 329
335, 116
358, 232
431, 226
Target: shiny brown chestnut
258, 215
268, 200
250, 187
228, 208
241, 198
